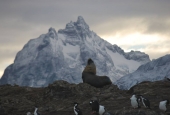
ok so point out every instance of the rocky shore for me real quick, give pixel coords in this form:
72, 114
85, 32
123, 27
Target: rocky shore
58, 98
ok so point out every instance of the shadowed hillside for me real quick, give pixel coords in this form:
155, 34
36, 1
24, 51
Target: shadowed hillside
58, 98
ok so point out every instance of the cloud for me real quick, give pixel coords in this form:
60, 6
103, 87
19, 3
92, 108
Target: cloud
156, 50
139, 25
156, 45
5, 61
158, 25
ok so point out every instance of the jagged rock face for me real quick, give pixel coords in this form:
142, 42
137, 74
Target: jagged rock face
63, 55
155, 70
138, 56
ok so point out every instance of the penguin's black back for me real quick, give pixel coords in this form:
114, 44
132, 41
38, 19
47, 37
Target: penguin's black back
95, 106
138, 99
78, 111
147, 103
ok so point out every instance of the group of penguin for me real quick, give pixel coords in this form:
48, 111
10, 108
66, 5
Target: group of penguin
135, 103
137, 99
96, 108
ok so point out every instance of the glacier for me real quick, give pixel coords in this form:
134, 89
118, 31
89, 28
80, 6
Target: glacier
63, 55
156, 70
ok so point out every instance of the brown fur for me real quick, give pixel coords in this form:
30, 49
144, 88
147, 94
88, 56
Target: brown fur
90, 69
89, 76
96, 81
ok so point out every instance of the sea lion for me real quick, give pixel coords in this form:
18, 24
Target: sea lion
96, 81
91, 67
89, 76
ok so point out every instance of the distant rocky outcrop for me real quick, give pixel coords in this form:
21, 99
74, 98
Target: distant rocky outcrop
59, 97
156, 70
89, 76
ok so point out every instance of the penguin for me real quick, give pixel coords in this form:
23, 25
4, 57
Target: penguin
163, 105
36, 111
145, 102
77, 110
97, 108
101, 109
135, 101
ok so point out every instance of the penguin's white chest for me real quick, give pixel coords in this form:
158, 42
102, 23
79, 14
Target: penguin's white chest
162, 105
101, 110
134, 103
145, 104
35, 112
76, 113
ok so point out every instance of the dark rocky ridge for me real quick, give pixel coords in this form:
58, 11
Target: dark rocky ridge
58, 98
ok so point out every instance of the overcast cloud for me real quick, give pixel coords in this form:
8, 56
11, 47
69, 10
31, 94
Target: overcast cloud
131, 24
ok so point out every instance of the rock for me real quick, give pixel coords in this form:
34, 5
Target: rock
58, 98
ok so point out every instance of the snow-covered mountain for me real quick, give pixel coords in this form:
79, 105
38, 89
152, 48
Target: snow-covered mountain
155, 70
63, 55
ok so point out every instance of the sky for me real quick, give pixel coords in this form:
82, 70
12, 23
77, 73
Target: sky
140, 25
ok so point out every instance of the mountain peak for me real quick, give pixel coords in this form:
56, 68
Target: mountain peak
81, 24
80, 19
76, 29
52, 32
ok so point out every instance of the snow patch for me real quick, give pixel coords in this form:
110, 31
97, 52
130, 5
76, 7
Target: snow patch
122, 63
